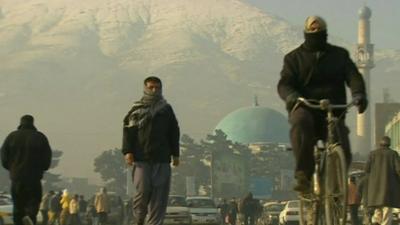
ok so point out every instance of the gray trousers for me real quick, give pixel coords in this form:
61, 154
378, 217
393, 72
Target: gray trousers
152, 182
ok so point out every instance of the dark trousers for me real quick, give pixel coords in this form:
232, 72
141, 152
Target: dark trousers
102, 218
307, 127
354, 214
74, 219
248, 219
152, 183
26, 198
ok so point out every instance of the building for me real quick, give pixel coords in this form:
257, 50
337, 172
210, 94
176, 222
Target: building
365, 62
255, 126
266, 132
384, 113
392, 130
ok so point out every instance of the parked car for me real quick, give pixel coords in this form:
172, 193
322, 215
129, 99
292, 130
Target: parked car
270, 214
6, 211
290, 215
6, 208
203, 210
177, 211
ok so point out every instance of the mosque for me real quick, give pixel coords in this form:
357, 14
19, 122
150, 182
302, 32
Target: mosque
256, 126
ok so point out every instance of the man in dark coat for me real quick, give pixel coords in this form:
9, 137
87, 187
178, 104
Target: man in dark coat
383, 171
151, 140
317, 70
26, 154
248, 209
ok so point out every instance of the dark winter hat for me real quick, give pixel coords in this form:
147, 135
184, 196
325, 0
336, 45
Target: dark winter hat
314, 24
385, 141
26, 120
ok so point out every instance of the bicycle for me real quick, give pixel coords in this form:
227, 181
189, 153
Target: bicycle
326, 204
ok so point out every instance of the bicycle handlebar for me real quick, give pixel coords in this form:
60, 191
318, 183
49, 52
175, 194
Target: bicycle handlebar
323, 104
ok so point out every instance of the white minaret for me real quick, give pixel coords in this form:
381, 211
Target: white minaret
365, 62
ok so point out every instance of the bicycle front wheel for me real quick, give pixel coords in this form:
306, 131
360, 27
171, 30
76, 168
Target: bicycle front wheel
335, 186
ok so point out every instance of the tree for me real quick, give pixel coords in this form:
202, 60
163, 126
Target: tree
196, 160
112, 169
50, 180
192, 164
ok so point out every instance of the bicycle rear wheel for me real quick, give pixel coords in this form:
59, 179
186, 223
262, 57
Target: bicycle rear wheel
335, 186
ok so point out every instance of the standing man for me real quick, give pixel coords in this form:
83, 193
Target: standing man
26, 154
150, 140
44, 207
223, 210
383, 171
248, 209
317, 70
64, 202
102, 206
353, 200
54, 209
233, 210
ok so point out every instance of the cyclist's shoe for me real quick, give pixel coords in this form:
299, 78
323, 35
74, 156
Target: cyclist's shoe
303, 183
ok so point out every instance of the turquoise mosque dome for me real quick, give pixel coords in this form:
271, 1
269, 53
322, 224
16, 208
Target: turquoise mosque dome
255, 124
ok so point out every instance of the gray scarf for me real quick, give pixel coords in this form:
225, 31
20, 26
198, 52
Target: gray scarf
145, 109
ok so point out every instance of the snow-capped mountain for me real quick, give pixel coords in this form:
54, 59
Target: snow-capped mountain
78, 65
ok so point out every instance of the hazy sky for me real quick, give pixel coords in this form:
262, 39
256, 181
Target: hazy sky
342, 17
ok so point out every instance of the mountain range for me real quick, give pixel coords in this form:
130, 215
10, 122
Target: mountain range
77, 66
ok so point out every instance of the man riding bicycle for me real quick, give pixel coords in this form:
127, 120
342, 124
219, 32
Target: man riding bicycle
317, 70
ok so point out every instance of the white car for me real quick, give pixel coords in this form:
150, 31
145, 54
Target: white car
290, 213
6, 211
203, 210
177, 211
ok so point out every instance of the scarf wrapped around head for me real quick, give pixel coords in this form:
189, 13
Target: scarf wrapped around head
145, 109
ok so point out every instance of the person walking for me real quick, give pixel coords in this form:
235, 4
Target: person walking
233, 210
317, 70
248, 209
362, 190
54, 208
26, 154
223, 210
383, 171
82, 206
65, 199
44, 207
74, 211
102, 206
150, 140
353, 200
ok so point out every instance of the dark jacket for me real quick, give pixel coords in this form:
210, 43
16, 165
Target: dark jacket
320, 75
157, 141
383, 171
26, 153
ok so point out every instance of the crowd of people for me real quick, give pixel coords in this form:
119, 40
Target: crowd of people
63, 208
246, 210
314, 70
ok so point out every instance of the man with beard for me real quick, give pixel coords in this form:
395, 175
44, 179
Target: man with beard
150, 140
317, 70
26, 154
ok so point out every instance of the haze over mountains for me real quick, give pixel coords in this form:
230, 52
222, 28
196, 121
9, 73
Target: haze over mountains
78, 65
